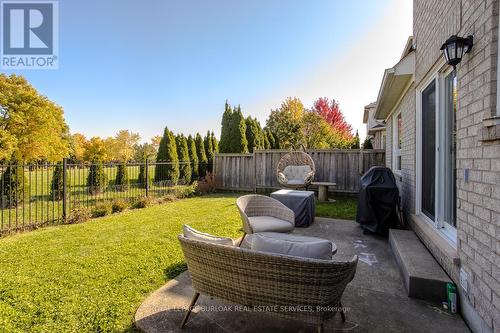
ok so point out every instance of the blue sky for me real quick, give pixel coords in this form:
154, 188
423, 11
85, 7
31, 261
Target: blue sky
144, 65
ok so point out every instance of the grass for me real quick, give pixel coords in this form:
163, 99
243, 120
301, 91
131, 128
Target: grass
91, 277
343, 208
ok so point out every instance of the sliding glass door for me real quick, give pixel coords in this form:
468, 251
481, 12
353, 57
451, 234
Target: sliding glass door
428, 181
437, 165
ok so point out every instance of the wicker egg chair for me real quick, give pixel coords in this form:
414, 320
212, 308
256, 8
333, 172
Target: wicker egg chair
296, 170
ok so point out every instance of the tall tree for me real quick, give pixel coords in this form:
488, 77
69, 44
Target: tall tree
215, 143
273, 142
184, 161
254, 134
355, 141
32, 127
238, 140
167, 152
225, 134
193, 157
285, 123
202, 157
209, 149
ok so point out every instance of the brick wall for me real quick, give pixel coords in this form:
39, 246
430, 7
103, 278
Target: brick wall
478, 202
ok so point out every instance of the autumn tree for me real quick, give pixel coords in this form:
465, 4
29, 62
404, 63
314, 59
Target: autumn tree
285, 123
193, 157
124, 144
184, 161
167, 152
331, 113
77, 147
32, 127
316, 131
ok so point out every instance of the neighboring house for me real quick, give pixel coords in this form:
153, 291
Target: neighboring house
374, 129
443, 144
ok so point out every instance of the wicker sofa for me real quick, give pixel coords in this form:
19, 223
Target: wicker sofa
253, 278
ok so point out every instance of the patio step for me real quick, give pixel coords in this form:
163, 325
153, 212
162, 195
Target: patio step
422, 275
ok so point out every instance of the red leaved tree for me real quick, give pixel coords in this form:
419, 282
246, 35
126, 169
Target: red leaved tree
330, 112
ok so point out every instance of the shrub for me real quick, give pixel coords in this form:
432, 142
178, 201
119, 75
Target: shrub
202, 156
101, 209
56, 188
96, 179
206, 184
193, 157
119, 205
80, 215
183, 154
142, 176
142, 202
121, 180
15, 187
167, 152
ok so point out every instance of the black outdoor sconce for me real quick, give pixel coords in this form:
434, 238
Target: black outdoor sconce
455, 47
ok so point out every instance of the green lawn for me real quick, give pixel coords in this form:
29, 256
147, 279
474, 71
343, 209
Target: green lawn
92, 277
342, 208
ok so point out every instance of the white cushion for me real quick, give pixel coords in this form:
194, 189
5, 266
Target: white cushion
292, 245
297, 172
269, 223
191, 233
296, 182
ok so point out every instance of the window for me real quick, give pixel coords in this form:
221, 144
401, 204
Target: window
397, 126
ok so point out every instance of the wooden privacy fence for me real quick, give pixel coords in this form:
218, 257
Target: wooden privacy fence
251, 172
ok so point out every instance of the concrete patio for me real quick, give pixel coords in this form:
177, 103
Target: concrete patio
376, 299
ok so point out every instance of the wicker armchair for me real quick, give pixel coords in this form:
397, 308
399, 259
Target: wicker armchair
295, 170
276, 281
261, 213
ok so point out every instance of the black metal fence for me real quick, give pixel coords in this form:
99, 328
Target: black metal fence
45, 194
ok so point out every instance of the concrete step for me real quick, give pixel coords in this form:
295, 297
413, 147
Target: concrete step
422, 275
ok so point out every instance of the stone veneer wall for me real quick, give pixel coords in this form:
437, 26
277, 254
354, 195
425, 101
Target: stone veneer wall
478, 202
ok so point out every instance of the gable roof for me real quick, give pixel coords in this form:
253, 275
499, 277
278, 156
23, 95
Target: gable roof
395, 82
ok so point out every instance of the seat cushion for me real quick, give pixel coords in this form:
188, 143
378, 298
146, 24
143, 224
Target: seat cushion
292, 245
295, 182
191, 233
269, 223
297, 172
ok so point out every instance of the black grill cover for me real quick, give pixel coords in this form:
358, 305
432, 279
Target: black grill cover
377, 201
